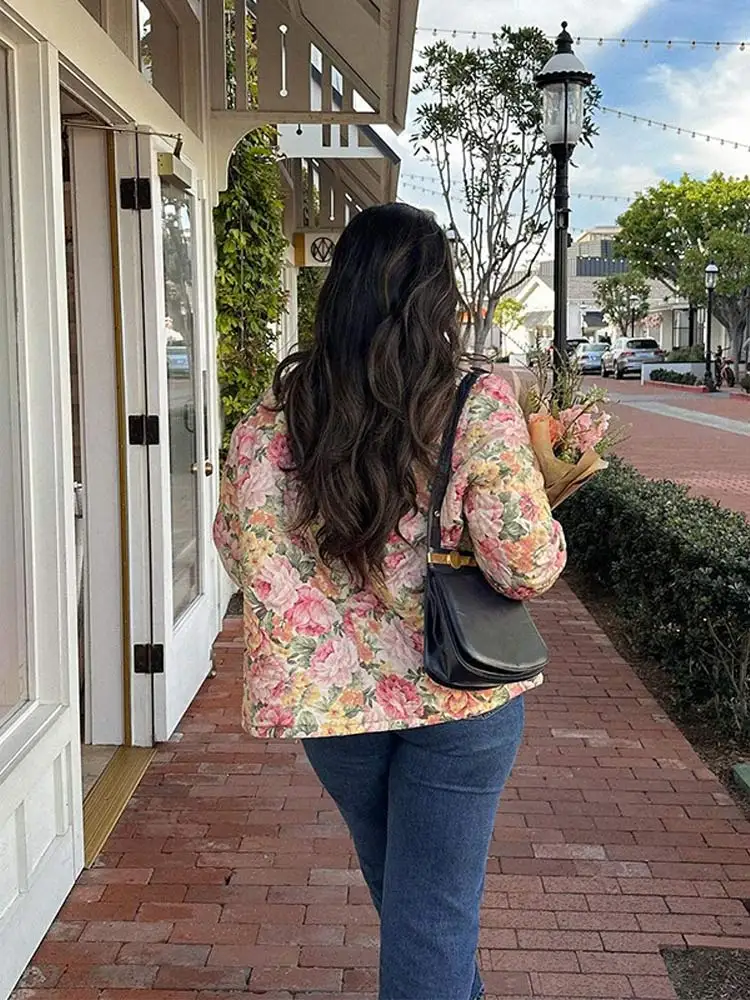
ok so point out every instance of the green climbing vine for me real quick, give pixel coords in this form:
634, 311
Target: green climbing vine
250, 246
309, 282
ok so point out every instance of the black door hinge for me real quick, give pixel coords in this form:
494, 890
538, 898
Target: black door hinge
148, 658
135, 193
143, 429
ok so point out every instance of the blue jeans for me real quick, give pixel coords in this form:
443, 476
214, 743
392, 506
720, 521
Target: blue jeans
420, 805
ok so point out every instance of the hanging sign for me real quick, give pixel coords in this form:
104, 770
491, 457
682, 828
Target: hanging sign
314, 247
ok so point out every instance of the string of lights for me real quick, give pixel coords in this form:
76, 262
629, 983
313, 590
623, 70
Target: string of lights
415, 181
691, 133
646, 43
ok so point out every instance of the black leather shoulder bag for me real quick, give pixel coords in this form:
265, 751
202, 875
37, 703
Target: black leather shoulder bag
474, 638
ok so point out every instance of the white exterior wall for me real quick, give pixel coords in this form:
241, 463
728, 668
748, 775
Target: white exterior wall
54, 42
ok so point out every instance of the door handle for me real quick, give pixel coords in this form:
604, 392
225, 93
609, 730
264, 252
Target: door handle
208, 468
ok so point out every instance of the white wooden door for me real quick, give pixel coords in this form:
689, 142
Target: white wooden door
170, 376
41, 827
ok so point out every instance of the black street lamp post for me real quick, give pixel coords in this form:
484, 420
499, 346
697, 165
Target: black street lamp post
712, 275
562, 82
634, 302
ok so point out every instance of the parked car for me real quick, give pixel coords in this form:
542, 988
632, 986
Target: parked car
573, 344
628, 355
588, 357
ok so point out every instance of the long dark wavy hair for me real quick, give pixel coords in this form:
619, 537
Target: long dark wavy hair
367, 403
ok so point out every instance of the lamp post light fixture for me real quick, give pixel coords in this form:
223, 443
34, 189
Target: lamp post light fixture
711, 276
562, 81
452, 237
634, 303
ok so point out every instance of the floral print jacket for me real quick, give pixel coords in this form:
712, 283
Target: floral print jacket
325, 658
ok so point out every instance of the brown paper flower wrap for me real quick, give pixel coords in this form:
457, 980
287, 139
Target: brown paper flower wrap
559, 420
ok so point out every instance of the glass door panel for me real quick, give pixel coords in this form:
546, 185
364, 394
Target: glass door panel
182, 387
14, 671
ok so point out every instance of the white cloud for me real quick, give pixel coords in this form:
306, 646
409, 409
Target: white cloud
585, 17
713, 99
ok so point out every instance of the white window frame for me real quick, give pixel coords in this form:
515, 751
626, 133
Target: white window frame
41, 330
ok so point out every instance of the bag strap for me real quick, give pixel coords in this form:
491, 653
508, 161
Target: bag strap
444, 468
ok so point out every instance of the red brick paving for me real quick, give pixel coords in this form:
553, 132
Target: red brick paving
231, 873
714, 463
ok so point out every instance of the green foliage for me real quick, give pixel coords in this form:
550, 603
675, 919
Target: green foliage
309, 282
677, 378
673, 230
679, 568
479, 123
508, 314
687, 355
249, 297
614, 294
745, 383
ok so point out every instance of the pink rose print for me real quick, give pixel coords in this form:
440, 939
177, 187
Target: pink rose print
404, 569
313, 614
266, 678
247, 440
497, 388
399, 698
399, 648
254, 484
528, 507
279, 452
277, 585
333, 663
226, 541
273, 721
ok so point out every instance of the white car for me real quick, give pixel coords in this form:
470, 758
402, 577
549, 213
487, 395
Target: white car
628, 355
588, 357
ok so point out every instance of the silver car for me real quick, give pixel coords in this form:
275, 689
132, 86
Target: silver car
629, 354
588, 357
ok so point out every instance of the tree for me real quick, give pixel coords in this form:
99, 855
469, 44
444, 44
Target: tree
730, 251
509, 317
623, 297
250, 247
480, 125
672, 231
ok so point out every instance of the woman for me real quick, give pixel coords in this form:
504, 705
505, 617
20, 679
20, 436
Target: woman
322, 525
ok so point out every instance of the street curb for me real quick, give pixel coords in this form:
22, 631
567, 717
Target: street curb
676, 387
741, 775
739, 394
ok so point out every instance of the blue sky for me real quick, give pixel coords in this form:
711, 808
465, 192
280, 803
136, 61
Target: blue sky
702, 89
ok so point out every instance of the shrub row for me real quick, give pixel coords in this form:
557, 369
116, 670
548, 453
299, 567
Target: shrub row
678, 378
685, 354
679, 569
745, 382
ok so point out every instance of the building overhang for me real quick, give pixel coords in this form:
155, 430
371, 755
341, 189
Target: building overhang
361, 50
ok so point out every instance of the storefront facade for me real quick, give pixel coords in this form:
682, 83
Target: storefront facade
116, 124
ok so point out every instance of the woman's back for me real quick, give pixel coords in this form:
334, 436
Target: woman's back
327, 655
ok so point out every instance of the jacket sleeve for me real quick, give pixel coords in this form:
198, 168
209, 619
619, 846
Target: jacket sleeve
517, 543
227, 530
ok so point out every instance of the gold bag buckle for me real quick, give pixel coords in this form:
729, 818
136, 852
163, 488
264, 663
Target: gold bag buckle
454, 559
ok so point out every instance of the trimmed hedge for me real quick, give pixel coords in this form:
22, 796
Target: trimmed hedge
679, 568
745, 383
695, 353
677, 378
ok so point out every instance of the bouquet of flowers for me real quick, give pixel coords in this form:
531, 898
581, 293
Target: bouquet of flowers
568, 427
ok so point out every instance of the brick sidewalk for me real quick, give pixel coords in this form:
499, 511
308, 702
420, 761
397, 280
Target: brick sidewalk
230, 874
713, 463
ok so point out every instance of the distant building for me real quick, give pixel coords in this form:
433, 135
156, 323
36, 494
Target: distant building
591, 258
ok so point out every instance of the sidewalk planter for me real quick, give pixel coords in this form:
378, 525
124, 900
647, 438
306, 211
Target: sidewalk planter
697, 368
679, 567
